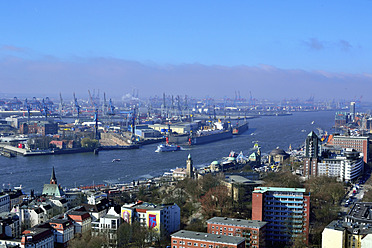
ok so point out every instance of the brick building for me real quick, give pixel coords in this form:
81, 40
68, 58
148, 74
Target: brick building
358, 143
252, 230
189, 239
287, 211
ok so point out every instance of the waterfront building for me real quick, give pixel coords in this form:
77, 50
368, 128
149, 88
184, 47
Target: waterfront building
359, 143
341, 119
163, 219
4, 202
190, 239
81, 220
252, 230
53, 189
37, 238
286, 211
277, 156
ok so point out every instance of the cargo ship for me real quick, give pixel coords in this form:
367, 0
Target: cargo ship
240, 128
209, 136
206, 134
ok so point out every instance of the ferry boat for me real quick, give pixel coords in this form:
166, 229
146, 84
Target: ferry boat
167, 148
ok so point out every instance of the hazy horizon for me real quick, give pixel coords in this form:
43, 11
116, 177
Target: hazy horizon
291, 50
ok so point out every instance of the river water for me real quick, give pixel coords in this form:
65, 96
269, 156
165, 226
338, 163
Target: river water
88, 169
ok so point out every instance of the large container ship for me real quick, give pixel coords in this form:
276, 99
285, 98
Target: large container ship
210, 136
218, 131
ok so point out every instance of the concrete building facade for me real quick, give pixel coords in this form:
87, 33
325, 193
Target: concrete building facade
286, 211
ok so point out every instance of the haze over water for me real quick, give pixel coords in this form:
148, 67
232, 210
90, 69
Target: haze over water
86, 168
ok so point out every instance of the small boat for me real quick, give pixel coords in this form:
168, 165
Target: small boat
116, 160
167, 148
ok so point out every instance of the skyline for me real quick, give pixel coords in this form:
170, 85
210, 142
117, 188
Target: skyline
296, 49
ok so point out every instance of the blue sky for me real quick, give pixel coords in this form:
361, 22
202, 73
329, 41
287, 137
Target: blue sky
308, 36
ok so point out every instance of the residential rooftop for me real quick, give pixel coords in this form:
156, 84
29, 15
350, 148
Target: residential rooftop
266, 189
238, 222
230, 240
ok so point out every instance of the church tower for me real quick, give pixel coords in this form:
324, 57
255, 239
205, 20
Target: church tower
53, 179
189, 167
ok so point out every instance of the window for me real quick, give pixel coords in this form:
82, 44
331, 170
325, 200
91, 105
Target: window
212, 227
174, 241
195, 244
188, 243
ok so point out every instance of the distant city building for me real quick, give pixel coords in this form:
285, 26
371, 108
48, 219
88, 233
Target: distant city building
252, 230
286, 211
341, 119
352, 111
189, 239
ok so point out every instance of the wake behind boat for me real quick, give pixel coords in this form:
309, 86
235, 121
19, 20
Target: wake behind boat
167, 148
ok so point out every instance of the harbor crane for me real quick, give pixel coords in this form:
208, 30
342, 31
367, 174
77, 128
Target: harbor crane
28, 107
77, 107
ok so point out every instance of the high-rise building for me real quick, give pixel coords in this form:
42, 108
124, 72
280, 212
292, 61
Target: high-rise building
286, 211
352, 111
312, 146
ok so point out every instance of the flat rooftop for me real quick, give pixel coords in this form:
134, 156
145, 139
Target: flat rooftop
183, 234
237, 222
266, 189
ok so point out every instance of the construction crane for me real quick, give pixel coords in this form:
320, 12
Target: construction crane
28, 110
104, 105
111, 108
45, 109
92, 101
96, 124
